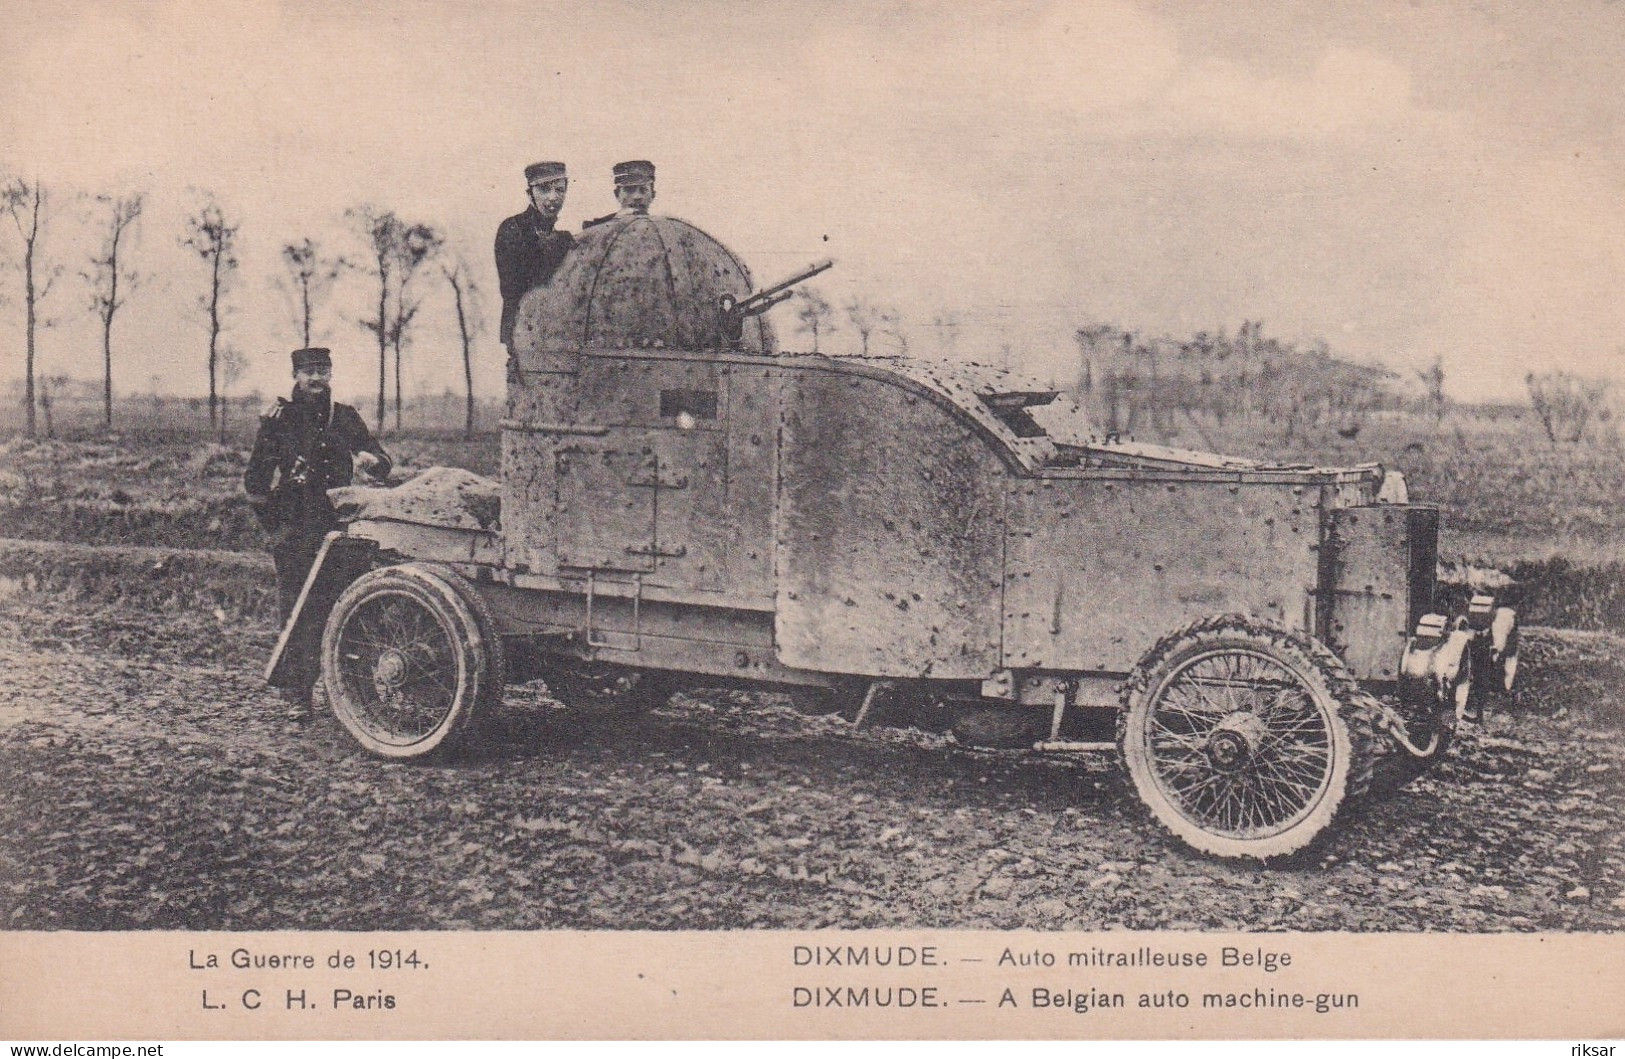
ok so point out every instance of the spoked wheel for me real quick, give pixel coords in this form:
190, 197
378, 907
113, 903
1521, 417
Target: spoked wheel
411, 660
1245, 740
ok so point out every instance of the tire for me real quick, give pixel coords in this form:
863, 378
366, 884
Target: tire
1244, 740
411, 660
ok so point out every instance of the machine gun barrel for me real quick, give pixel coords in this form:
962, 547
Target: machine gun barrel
767, 297
759, 306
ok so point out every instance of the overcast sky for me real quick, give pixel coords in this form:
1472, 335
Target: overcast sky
1403, 179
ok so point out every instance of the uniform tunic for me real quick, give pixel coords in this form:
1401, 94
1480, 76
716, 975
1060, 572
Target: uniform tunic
528, 251
304, 448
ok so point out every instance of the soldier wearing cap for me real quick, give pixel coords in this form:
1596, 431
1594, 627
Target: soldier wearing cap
305, 446
529, 248
634, 190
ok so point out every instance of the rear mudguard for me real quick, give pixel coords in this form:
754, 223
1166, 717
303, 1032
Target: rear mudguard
340, 561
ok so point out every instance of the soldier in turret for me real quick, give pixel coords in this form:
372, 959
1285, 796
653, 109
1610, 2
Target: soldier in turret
529, 248
305, 446
634, 190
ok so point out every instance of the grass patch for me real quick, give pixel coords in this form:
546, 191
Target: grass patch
228, 586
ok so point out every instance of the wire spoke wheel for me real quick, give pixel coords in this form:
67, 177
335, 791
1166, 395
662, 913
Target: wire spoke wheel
1238, 738
410, 660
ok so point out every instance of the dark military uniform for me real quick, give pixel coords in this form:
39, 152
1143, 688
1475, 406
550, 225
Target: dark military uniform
304, 447
528, 250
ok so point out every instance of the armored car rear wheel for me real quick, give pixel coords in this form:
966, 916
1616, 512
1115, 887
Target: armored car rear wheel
1245, 740
411, 660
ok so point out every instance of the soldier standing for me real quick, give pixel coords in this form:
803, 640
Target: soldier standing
634, 190
528, 246
305, 446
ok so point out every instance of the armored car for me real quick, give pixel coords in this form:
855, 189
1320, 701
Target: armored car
681, 502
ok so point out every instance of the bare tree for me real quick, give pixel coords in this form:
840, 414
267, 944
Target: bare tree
864, 316
232, 366
1433, 380
891, 328
872, 320
470, 321
109, 272
1565, 403
814, 315
309, 280
26, 203
948, 327
378, 230
214, 238
395, 251
418, 243
49, 387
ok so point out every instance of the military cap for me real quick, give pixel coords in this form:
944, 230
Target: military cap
537, 172
312, 357
638, 172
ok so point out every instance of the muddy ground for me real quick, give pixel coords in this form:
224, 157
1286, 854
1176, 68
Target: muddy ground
151, 782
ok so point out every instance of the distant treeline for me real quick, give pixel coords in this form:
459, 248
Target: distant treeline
1161, 387
398, 260
72, 410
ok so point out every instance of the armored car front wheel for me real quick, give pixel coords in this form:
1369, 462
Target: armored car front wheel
411, 660
1245, 740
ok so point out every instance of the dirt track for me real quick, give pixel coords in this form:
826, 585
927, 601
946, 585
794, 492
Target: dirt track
152, 784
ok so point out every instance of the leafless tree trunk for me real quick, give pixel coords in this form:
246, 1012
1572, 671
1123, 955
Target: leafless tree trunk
396, 251
864, 317
405, 312
232, 366
310, 278
891, 327
418, 244
1565, 403
815, 316
948, 326
1433, 379
214, 239
49, 387
25, 203
378, 230
108, 273
465, 296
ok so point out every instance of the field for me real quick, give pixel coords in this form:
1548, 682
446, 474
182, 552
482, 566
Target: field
152, 784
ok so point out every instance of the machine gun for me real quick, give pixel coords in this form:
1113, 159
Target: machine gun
733, 311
